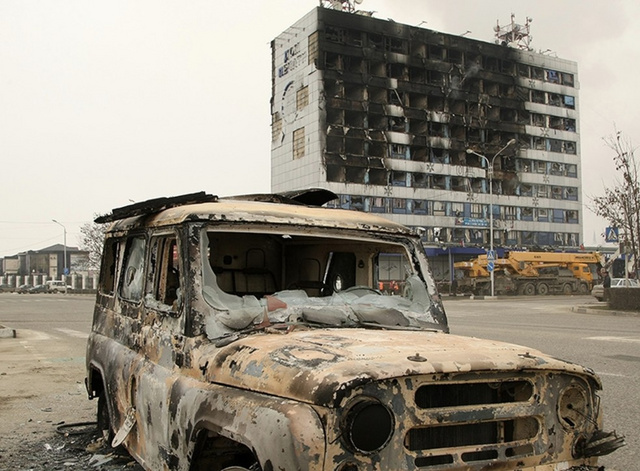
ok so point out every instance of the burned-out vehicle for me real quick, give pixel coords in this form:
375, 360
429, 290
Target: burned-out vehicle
266, 332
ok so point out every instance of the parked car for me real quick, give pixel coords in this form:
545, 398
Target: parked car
251, 333
57, 286
38, 289
598, 290
22, 289
4, 288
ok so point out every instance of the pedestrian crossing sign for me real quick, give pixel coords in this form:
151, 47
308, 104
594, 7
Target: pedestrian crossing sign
611, 234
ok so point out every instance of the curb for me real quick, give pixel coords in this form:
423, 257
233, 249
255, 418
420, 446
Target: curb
7, 333
604, 312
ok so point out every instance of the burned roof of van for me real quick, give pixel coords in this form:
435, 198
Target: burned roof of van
297, 207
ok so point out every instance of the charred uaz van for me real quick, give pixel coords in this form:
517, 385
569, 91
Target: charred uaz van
266, 332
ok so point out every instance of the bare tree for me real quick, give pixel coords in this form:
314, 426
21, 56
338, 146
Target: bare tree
93, 241
620, 205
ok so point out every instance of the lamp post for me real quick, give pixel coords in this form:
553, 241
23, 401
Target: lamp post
64, 248
490, 172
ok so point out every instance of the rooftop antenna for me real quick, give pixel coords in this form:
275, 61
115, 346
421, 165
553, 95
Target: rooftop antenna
344, 5
514, 34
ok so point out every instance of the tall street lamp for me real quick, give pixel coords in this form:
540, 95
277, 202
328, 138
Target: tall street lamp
490, 172
64, 247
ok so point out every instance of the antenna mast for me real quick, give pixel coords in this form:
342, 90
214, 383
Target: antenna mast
513, 34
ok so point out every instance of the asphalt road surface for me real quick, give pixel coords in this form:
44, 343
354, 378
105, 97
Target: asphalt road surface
42, 370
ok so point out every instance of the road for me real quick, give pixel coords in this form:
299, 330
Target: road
610, 345
42, 370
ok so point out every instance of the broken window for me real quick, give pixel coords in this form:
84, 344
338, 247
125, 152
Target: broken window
543, 191
165, 258
377, 95
439, 208
539, 143
538, 96
379, 205
570, 193
437, 52
397, 124
354, 119
399, 205
538, 120
397, 71
569, 147
543, 215
108, 266
378, 176
523, 70
556, 122
526, 189
298, 143
553, 76
377, 68
332, 61
312, 47
399, 178
336, 173
302, 98
353, 64
571, 217
356, 175
439, 182
555, 99
276, 127
555, 145
435, 77
556, 192
570, 125
567, 79
354, 91
420, 207
459, 184
537, 73
132, 276
398, 151
527, 214
572, 170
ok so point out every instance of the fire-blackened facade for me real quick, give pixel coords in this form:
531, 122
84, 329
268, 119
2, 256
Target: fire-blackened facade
392, 118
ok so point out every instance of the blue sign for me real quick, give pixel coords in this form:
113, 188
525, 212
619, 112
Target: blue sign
611, 234
490, 266
491, 255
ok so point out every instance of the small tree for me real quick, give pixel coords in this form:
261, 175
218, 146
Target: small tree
93, 241
620, 205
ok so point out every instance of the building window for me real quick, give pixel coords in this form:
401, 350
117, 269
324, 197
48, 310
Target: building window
132, 277
302, 98
312, 46
298, 143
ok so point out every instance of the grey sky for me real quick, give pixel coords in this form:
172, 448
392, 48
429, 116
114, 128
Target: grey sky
102, 102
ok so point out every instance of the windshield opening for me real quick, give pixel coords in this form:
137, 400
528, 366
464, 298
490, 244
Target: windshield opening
261, 278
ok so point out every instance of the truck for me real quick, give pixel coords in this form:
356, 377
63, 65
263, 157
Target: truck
530, 273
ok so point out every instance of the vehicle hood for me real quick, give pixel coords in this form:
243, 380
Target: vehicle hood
319, 366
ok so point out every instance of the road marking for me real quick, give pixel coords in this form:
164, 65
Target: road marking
615, 339
73, 333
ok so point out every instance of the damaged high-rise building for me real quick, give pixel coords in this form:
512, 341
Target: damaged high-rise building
406, 121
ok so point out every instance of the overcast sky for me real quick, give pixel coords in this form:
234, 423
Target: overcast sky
103, 102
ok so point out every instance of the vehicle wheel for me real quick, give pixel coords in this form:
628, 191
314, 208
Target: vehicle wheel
566, 289
583, 288
104, 419
529, 289
543, 289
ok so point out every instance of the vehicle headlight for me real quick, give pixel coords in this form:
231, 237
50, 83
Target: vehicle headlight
573, 407
367, 426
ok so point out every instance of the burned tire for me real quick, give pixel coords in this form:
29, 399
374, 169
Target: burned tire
567, 289
104, 419
528, 289
543, 289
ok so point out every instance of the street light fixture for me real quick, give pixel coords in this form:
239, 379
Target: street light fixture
64, 247
490, 172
